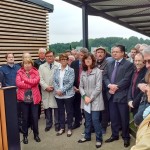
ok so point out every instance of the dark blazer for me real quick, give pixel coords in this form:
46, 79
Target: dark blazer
123, 79
75, 66
38, 62
137, 92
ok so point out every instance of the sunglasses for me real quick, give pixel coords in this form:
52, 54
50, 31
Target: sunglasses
147, 61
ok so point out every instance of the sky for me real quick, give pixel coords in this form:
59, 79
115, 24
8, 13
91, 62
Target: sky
65, 25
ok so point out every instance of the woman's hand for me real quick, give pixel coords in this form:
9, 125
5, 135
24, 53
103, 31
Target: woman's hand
59, 93
87, 100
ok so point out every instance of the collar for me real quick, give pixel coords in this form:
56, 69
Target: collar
67, 67
42, 60
119, 60
11, 65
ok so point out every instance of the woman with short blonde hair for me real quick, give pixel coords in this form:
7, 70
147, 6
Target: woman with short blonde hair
28, 95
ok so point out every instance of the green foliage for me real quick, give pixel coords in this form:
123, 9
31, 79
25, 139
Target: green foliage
105, 42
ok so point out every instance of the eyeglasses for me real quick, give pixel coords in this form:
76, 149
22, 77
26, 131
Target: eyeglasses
64, 59
49, 56
147, 61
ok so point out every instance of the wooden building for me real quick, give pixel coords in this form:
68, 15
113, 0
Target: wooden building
23, 27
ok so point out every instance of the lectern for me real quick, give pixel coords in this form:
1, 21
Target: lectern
9, 131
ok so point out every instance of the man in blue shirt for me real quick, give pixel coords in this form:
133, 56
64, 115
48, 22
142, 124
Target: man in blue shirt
9, 70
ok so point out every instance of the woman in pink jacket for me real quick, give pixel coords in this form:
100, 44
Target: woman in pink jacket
28, 95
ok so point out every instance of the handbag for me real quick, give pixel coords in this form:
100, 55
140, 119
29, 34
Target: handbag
28, 98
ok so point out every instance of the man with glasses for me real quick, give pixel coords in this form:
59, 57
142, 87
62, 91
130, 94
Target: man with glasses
117, 79
46, 72
146, 54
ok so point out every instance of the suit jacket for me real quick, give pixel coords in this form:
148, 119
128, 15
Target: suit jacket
137, 92
38, 62
122, 79
75, 66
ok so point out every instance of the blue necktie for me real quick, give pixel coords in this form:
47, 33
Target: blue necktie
113, 76
50, 66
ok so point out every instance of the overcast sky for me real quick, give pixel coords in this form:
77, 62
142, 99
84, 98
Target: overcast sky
65, 25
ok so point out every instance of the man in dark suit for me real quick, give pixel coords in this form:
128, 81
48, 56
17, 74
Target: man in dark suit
117, 78
134, 93
77, 66
41, 60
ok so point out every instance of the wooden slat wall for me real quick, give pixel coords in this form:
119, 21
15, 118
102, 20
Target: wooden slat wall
23, 28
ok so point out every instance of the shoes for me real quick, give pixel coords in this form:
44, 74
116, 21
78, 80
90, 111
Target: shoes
61, 131
47, 129
98, 144
25, 140
83, 140
126, 143
76, 126
111, 139
37, 139
69, 133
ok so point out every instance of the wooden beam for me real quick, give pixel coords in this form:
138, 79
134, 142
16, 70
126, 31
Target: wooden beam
128, 7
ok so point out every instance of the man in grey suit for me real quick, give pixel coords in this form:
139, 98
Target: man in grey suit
117, 78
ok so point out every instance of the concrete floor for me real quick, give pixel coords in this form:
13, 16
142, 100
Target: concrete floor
49, 141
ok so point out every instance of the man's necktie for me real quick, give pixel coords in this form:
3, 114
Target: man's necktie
50, 66
113, 76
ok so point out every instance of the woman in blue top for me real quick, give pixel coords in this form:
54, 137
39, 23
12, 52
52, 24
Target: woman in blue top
64, 93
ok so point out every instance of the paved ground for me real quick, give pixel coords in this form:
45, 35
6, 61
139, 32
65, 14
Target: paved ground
49, 141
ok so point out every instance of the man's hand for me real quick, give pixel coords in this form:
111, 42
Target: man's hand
113, 88
49, 89
142, 87
87, 100
130, 104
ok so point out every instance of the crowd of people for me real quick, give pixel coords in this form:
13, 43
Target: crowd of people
100, 88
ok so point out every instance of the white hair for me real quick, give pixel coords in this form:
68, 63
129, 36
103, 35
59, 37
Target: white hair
42, 50
146, 50
71, 56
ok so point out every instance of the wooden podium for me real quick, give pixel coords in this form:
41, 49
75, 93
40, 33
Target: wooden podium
9, 131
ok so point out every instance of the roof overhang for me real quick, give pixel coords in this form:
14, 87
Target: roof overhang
41, 3
133, 14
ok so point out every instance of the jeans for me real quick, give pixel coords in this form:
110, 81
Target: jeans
93, 118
